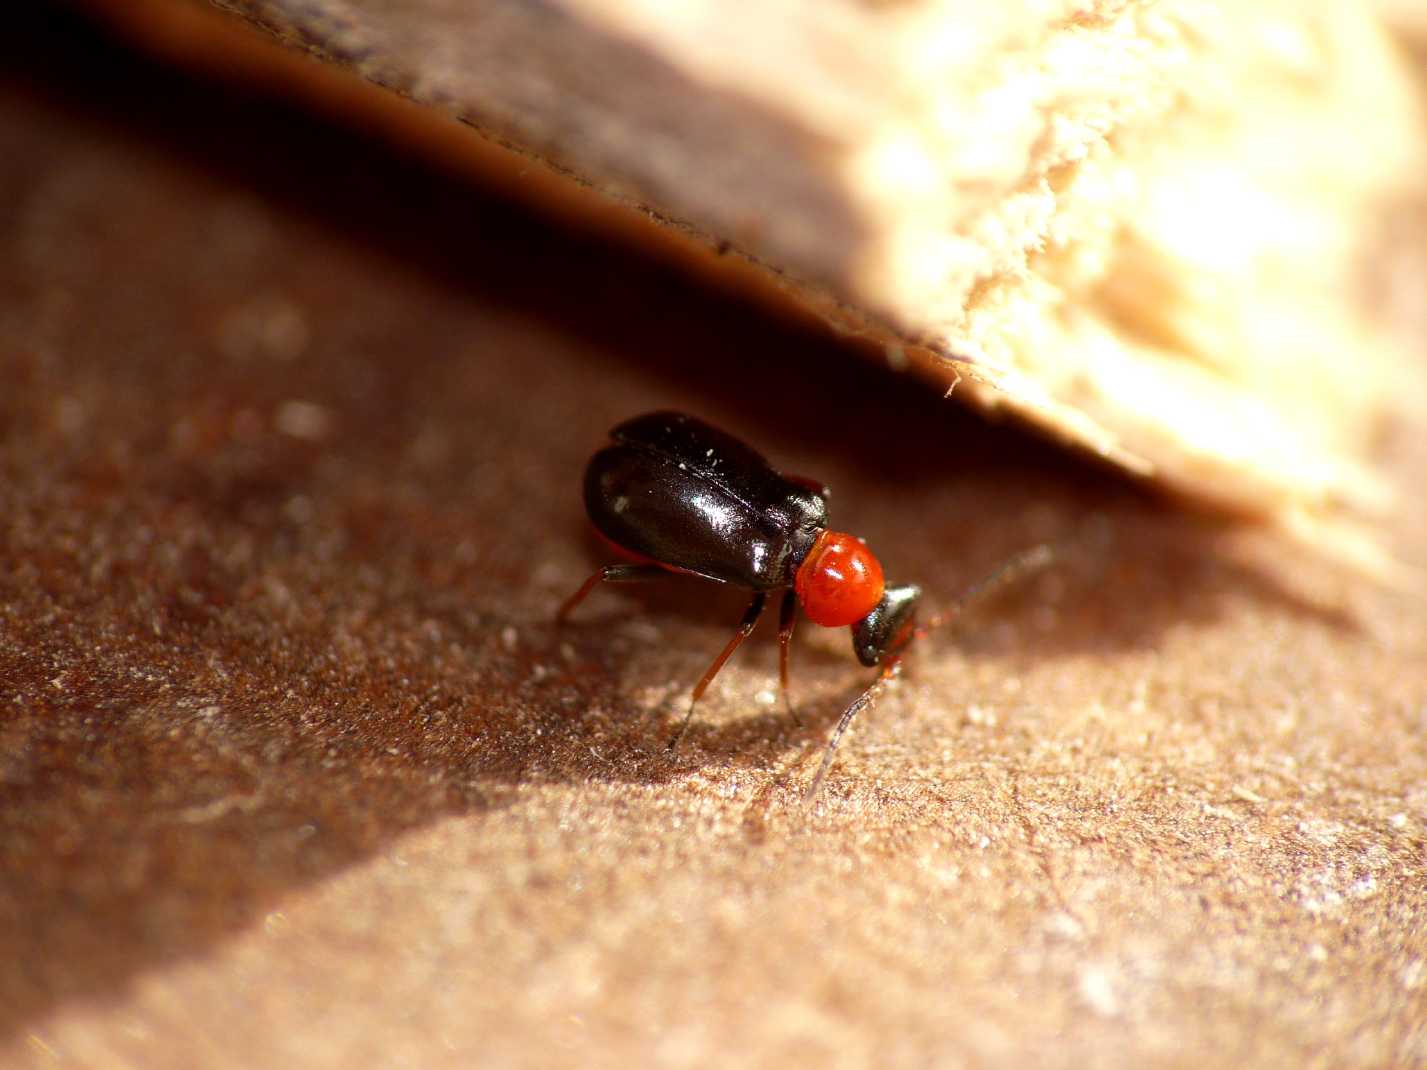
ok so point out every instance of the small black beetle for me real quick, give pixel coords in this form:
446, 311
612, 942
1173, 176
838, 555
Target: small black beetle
681, 496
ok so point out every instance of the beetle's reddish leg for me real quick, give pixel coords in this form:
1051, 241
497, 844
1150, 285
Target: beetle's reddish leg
750, 618
891, 666
610, 574
787, 618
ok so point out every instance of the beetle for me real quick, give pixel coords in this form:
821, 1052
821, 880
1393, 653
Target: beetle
680, 496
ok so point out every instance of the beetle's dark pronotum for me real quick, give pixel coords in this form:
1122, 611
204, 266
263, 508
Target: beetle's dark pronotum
678, 495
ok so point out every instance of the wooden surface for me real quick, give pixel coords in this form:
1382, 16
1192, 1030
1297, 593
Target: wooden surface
294, 769
1150, 230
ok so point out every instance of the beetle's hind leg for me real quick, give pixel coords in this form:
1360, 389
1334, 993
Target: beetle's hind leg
745, 628
610, 574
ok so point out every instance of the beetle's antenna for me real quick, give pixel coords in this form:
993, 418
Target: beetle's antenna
1018, 567
890, 668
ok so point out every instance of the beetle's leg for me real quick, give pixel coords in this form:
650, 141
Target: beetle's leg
750, 618
787, 618
610, 574
891, 666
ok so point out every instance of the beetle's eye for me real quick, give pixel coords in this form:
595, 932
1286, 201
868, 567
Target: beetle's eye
839, 582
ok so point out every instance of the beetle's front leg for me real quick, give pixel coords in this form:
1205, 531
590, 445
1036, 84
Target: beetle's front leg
787, 618
745, 628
